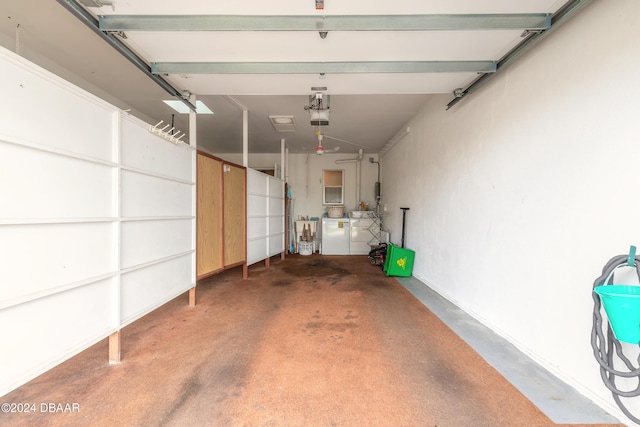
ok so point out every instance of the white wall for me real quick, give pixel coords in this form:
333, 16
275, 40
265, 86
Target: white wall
305, 178
97, 220
521, 193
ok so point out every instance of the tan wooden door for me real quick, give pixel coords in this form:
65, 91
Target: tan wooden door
235, 237
209, 248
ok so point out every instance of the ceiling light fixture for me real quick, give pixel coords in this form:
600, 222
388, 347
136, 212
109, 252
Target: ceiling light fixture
182, 108
283, 123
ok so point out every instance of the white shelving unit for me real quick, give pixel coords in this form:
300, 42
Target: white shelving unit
366, 230
377, 229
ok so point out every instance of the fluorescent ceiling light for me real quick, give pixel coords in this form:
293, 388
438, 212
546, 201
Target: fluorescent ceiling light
182, 108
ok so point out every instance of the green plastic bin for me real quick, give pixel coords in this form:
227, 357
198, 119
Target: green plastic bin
399, 261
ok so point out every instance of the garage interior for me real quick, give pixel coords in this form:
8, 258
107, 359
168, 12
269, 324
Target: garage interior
507, 130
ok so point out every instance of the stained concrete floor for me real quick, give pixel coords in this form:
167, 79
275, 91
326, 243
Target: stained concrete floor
311, 341
559, 401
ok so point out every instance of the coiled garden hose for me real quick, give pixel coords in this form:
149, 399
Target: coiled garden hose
603, 348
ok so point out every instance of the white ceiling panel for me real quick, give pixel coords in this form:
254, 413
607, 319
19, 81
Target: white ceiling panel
367, 108
308, 46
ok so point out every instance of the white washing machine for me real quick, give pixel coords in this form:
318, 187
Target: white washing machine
335, 236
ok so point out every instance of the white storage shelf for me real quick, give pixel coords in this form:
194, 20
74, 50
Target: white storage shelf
360, 236
365, 231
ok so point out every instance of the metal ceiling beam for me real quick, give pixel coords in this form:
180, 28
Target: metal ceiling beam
522, 21
322, 67
86, 18
563, 14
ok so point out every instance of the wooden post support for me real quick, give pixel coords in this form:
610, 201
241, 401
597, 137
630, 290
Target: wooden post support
245, 271
267, 262
282, 254
192, 297
114, 348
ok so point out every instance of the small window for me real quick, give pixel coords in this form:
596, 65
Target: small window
333, 187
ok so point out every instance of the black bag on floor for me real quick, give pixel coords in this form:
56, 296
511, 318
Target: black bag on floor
377, 254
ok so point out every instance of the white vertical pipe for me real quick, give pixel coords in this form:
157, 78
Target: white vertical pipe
357, 161
286, 165
282, 171
193, 142
245, 129
245, 138
380, 175
192, 123
358, 180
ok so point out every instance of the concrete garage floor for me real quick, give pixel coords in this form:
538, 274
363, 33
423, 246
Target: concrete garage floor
560, 402
310, 341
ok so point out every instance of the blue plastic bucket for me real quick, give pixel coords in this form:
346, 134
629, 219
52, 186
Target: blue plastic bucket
622, 305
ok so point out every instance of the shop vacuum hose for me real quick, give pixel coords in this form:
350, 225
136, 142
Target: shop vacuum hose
603, 348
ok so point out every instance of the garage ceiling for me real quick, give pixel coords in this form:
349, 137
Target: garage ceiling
378, 60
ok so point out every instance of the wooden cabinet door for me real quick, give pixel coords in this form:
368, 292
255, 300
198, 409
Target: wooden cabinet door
209, 249
235, 238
